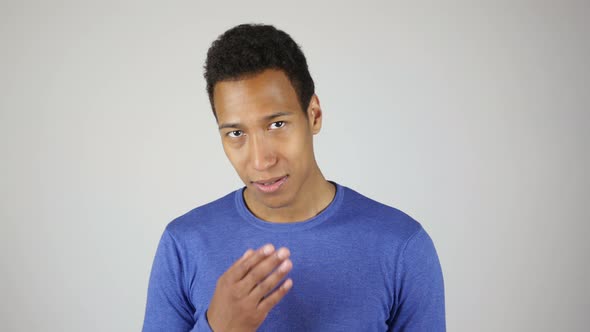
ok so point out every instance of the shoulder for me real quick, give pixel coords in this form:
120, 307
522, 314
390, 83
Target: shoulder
379, 216
203, 217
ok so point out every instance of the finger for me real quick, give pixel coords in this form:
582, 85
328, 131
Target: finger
275, 297
243, 265
258, 273
267, 285
246, 254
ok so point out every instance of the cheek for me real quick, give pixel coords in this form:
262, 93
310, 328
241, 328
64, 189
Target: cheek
235, 156
297, 150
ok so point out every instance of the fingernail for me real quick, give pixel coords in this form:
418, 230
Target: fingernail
283, 253
247, 253
285, 266
268, 249
288, 284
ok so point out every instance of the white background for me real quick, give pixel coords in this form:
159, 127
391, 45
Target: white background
472, 117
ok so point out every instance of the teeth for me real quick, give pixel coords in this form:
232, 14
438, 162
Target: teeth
269, 183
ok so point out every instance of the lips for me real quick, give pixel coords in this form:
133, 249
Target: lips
269, 181
270, 185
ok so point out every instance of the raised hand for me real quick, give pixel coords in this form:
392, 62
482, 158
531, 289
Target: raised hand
243, 297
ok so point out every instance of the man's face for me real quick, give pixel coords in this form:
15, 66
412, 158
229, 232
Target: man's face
267, 137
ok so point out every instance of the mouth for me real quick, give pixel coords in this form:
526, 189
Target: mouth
270, 185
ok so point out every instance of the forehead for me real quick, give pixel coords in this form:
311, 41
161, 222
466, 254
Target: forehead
255, 96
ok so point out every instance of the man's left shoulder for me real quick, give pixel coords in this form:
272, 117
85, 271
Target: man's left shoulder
378, 215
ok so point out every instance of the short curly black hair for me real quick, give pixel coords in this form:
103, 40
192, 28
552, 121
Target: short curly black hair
248, 49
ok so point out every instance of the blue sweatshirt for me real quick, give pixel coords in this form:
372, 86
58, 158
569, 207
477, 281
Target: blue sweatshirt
359, 265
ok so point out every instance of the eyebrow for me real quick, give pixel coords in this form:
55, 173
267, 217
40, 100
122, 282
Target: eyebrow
266, 118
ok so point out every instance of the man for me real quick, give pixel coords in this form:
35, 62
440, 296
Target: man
290, 251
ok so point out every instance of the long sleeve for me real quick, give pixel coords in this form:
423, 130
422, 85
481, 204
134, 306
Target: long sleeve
168, 306
420, 289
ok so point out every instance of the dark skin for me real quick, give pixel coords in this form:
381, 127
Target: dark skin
239, 302
266, 135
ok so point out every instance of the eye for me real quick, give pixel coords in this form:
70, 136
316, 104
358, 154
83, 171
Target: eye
235, 133
278, 124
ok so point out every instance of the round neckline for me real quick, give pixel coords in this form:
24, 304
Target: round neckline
290, 226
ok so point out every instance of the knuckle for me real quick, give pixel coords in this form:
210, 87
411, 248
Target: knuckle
272, 301
242, 269
244, 266
249, 279
256, 275
266, 286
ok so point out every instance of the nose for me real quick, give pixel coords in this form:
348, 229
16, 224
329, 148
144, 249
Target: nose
262, 153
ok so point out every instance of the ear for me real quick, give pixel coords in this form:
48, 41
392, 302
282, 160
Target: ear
314, 114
